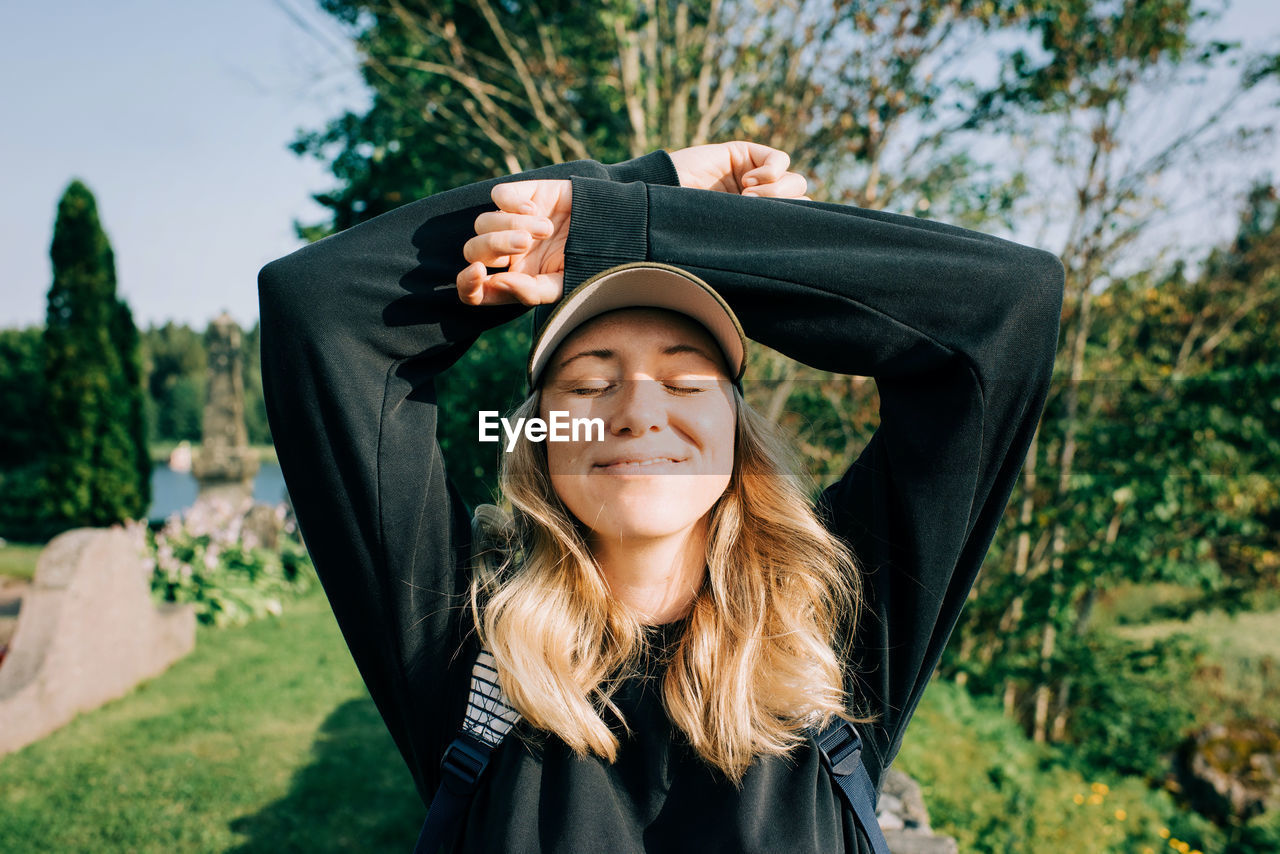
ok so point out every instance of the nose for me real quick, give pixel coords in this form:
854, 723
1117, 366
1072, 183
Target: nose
640, 408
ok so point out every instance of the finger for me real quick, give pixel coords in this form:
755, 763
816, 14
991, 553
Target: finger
792, 185
470, 283
530, 290
515, 196
773, 167
489, 221
493, 247
477, 287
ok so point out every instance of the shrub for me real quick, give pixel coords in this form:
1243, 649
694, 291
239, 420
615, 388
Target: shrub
207, 556
22, 512
1134, 701
995, 791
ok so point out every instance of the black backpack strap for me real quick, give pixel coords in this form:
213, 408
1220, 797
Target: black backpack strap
463, 762
488, 720
841, 748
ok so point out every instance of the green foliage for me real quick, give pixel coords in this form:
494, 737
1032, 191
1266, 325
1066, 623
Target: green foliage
463, 91
1133, 702
97, 467
489, 376
1238, 676
988, 786
206, 558
1176, 446
22, 503
176, 365
829, 416
22, 433
417, 139
18, 560
1091, 51
21, 396
125, 341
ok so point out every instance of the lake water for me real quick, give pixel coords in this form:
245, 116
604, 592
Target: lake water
172, 491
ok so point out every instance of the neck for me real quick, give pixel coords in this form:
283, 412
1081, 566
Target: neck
659, 576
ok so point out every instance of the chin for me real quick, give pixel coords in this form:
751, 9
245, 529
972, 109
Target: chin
631, 528
643, 508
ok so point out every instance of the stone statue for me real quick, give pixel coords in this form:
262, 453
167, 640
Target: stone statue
225, 466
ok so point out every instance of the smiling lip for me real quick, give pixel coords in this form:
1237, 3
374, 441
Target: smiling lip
625, 465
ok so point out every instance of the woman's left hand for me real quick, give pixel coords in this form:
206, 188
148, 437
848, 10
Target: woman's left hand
739, 167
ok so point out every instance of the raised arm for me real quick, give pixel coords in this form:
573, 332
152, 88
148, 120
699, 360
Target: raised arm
959, 330
355, 328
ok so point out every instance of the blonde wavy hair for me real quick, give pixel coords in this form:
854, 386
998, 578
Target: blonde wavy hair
760, 660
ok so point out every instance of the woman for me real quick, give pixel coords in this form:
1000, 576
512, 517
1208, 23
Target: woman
958, 328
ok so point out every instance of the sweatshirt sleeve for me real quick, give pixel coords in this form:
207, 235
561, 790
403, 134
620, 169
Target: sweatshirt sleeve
355, 328
959, 330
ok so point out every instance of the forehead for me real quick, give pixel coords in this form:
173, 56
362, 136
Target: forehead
637, 332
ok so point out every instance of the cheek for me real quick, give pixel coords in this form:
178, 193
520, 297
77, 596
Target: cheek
570, 456
716, 431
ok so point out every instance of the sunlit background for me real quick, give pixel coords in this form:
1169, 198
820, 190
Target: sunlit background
1112, 684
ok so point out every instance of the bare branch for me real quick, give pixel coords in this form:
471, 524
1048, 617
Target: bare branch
516, 58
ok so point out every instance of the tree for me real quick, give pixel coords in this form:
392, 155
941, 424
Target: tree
21, 396
868, 97
873, 99
97, 470
176, 366
1174, 475
22, 433
1103, 162
125, 341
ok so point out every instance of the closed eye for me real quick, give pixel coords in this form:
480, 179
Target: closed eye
590, 391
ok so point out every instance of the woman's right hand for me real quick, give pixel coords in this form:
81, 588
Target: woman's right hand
527, 235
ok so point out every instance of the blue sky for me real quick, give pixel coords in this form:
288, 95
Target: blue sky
177, 117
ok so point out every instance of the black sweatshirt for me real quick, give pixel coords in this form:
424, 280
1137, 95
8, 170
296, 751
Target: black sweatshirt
959, 330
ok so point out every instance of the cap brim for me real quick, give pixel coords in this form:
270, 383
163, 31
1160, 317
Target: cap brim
641, 284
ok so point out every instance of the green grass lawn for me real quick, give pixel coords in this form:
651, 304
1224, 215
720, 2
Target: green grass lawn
263, 739
18, 560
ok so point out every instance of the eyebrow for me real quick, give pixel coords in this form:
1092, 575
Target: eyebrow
605, 353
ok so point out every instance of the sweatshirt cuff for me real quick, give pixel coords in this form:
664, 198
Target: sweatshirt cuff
608, 226
656, 167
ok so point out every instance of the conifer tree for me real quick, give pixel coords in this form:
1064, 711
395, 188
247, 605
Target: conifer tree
97, 471
128, 343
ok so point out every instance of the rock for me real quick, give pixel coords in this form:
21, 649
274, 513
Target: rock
88, 632
1229, 771
901, 795
915, 842
905, 820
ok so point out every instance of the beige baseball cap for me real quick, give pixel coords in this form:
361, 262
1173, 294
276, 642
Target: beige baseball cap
639, 284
